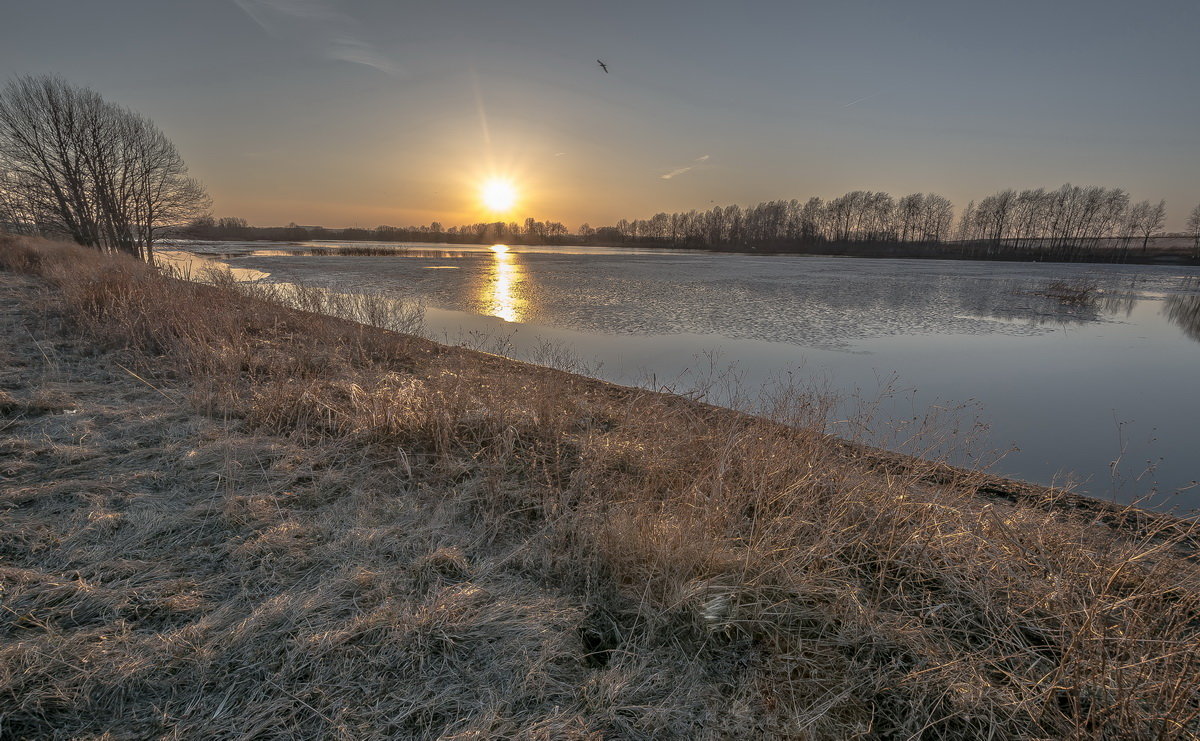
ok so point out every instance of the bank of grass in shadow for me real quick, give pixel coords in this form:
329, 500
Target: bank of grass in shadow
364, 534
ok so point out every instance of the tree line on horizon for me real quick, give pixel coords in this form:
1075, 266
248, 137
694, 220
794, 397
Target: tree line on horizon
532, 232
1067, 223
1063, 223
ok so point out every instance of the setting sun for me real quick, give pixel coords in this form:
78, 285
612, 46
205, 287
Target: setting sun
499, 195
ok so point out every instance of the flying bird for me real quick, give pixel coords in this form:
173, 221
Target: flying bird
603, 66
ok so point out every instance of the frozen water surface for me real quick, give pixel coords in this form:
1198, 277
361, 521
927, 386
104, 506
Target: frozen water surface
1067, 389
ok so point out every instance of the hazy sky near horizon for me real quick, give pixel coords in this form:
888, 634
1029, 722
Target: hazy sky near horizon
368, 112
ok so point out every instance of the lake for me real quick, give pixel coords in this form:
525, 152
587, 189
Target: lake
1101, 394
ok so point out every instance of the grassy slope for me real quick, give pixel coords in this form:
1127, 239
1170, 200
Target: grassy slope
220, 517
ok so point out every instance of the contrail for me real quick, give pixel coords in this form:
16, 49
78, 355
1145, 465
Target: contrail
865, 97
681, 170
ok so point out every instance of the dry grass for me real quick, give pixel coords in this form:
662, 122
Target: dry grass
261, 522
356, 251
1075, 292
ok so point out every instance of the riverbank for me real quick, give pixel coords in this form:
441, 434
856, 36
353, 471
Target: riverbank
224, 517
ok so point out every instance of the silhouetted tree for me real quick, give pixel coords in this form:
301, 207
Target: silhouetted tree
98, 172
1147, 220
1193, 227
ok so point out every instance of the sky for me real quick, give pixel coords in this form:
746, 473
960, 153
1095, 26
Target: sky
369, 112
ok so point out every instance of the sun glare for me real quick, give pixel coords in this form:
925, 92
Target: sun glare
502, 295
499, 195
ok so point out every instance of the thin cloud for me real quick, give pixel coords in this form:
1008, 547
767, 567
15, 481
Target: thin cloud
856, 101
680, 170
273, 16
314, 23
357, 51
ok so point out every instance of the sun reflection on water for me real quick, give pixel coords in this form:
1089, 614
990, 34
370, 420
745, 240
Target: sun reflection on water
499, 294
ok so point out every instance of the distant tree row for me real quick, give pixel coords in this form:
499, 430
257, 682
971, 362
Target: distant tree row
1069, 223
1061, 223
858, 216
533, 232
232, 228
75, 165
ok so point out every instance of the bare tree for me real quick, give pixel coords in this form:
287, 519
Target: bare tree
994, 213
966, 223
100, 173
1146, 219
908, 216
937, 216
1193, 227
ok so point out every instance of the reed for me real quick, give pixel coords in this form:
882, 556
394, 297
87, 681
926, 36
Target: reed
356, 251
1075, 292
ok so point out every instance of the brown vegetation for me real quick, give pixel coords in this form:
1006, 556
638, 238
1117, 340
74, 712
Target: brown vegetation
224, 517
355, 251
1075, 292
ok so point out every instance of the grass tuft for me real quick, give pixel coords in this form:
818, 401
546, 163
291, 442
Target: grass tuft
1076, 292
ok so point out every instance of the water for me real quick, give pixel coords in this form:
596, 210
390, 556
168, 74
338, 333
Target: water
1102, 395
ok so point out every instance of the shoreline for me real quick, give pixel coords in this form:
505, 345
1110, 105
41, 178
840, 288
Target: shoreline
880, 251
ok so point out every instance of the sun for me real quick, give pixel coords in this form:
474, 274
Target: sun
499, 195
